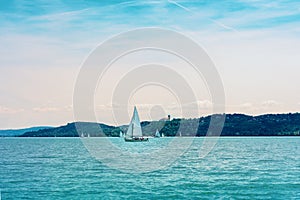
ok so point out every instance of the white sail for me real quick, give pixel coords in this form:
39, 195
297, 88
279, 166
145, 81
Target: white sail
134, 128
121, 134
157, 134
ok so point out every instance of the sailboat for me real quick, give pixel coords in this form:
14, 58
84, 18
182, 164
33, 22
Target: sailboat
134, 132
157, 134
121, 134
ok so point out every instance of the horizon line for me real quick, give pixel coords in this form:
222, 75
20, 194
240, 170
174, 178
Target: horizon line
109, 124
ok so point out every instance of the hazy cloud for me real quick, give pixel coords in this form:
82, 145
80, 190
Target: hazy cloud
7, 110
270, 103
46, 109
62, 109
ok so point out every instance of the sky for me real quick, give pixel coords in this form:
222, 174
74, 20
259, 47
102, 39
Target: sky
254, 45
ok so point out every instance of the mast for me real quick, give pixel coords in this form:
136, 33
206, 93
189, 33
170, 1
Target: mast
132, 131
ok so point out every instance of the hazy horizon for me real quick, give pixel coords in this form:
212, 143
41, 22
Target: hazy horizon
114, 124
253, 44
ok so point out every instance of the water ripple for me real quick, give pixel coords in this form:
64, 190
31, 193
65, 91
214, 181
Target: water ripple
237, 168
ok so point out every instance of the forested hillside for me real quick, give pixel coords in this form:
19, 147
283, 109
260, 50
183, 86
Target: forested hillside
235, 125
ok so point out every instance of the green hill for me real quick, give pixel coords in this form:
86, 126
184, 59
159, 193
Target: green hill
75, 130
235, 125
18, 132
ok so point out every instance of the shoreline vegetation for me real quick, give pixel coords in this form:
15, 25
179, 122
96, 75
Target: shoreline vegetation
235, 125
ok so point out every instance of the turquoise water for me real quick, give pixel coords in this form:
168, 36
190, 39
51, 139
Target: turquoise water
237, 168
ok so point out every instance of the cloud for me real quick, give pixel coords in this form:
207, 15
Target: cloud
270, 103
36, 51
256, 108
246, 105
7, 110
50, 109
69, 108
216, 22
68, 15
201, 104
46, 109
115, 106
205, 104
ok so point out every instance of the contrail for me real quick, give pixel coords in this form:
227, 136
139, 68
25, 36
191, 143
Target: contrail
181, 6
194, 13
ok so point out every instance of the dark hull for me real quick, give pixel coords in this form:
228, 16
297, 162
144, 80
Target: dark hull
138, 139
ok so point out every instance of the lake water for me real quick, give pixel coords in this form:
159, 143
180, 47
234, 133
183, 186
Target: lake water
237, 168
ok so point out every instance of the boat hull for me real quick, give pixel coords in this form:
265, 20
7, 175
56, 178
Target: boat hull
136, 139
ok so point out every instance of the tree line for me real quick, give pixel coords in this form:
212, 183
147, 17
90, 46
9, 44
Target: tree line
234, 125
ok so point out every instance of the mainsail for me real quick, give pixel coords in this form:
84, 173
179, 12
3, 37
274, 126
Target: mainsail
134, 128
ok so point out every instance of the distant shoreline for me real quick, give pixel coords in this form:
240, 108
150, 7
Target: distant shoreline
17, 137
236, 125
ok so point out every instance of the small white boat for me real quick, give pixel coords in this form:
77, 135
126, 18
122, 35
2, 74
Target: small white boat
157, 134
134, 132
